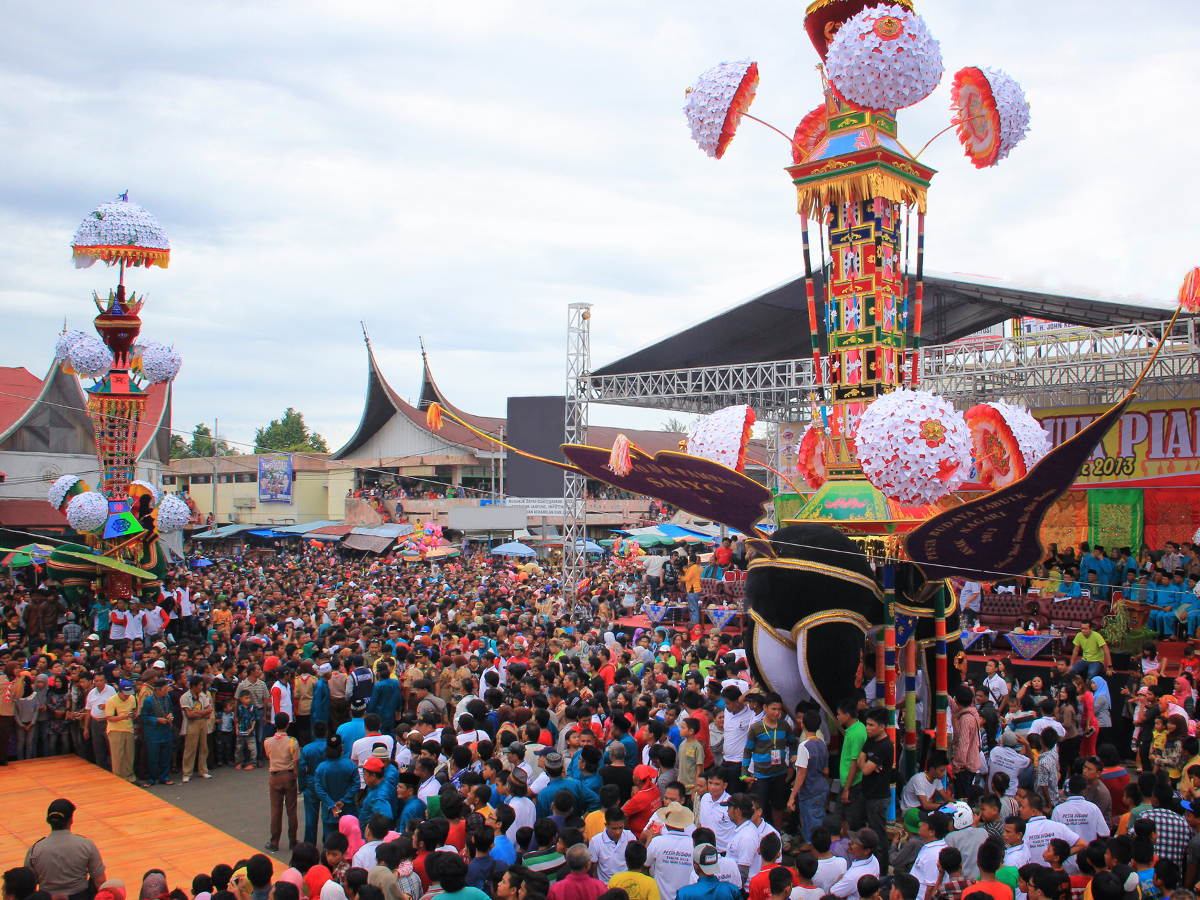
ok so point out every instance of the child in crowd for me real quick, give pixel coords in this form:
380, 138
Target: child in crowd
225, 733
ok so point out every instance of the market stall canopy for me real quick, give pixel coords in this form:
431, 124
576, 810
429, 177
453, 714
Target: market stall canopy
513, 548
304, 528
371, 543
222, 531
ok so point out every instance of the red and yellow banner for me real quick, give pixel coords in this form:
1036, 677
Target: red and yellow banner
1152, 445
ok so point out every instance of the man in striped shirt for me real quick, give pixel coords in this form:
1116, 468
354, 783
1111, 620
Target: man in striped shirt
770, 745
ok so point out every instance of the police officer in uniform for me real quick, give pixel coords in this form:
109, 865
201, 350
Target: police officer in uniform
65, 863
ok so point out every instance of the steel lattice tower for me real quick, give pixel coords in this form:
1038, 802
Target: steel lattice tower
579, 365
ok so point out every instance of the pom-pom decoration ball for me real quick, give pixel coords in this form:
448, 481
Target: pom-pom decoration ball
810, 132
1189, 292
90, 357
158, 363
716, 103
172, 514
66, 340
722, 437
991, 113
1007, 442
64, 489
884, 58
913, 446
810, 460
87, 511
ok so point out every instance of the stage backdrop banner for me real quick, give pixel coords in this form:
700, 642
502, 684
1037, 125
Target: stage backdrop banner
1152, 445
1066, 524
1171, 515
275, 478
1115, 518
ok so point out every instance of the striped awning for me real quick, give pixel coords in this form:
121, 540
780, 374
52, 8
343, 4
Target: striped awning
369, 542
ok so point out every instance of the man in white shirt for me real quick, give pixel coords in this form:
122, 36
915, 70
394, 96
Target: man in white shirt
1047, 720
743, 845
934, 828
608, 847
653, 568
361, 750
738, 720
1015, 854
1040, 831
1080, 815
99, 695
863, 845
117, 619
713, 813
996, 686
1009, 759
830, 868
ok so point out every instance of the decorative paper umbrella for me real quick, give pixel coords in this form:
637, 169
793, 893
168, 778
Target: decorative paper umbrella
25, 555
884, 58
717, 102
991, 114
1007, 442
121, 233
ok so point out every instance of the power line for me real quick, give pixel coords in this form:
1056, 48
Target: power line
232, 457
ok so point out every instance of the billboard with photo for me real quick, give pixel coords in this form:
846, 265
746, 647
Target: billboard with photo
275, 478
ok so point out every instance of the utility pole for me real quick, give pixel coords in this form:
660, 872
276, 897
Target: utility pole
502, 452
216, 423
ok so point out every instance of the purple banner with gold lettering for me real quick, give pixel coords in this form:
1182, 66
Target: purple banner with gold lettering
704, 488
998, 534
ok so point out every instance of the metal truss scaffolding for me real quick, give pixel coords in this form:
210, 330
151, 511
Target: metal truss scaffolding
1064, 367
579, 364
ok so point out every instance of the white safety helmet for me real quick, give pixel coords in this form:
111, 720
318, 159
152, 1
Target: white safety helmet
960, 815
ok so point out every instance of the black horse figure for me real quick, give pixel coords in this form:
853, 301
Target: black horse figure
812, 605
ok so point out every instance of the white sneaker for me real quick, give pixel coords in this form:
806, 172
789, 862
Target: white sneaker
206, 775
186, 779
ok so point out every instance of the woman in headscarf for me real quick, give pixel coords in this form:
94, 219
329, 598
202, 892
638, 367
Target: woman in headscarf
58, 727
315, 880
154, 886
1102, 707
349, 826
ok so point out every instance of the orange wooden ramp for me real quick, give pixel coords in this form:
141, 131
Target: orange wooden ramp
133, 828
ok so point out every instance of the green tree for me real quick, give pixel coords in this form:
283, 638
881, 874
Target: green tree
179, 449
675, 426
202, 444
289, 435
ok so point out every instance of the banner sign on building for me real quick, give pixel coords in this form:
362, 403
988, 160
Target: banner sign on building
539, 506
275, 478
1154, 444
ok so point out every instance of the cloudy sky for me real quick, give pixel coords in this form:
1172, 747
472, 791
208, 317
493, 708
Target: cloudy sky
463, 171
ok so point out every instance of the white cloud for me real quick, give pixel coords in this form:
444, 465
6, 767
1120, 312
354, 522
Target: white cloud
463, 171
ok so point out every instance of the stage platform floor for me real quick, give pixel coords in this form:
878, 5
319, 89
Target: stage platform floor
134, 830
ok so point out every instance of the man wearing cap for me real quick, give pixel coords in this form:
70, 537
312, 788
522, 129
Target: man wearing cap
379, 791
863, 846
586, 800
645, 801
706, 862
743, 846
119, 711
65, 863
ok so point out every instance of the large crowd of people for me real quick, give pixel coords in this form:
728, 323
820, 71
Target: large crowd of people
458, 730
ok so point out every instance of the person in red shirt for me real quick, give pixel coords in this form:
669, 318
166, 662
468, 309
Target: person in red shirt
760, 884
723, 555
645, 801
693, 703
